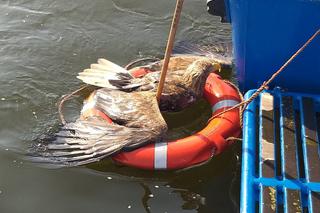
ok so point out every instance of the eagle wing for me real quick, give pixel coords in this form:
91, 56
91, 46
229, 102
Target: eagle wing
137, 121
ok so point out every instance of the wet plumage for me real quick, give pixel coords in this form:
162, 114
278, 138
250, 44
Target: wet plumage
91, 138
132, 106
181, 89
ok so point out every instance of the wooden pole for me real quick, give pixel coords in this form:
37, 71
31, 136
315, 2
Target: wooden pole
172, 34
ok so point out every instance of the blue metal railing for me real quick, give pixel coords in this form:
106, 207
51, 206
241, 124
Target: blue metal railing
290, 179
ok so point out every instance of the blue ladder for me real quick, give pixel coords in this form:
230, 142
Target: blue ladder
280, 153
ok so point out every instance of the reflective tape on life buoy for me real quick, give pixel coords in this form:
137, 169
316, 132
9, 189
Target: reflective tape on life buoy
223, 104
160, 155
197, 148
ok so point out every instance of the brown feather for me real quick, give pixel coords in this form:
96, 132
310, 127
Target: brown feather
136, 115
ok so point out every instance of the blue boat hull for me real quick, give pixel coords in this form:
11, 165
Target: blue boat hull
267, 33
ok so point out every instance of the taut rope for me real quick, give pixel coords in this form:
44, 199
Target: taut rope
265, 84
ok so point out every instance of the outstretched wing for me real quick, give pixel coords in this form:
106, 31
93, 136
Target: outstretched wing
91, 139
100, 73
111, 76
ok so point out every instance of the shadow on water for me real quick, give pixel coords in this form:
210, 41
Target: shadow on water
44, 44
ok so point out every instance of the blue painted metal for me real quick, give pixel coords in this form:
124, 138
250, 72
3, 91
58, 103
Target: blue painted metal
248, 157
252, 182
267, 33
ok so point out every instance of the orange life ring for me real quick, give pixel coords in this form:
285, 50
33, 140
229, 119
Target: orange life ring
197, 148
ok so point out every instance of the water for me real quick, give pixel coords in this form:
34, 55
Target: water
43, 45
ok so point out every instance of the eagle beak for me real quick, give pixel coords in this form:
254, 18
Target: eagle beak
217, 67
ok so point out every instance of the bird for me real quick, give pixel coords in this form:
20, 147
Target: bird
176, 95
132, 106
123, 113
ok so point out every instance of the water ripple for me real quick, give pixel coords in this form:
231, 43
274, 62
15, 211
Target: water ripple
24, 9
140, 13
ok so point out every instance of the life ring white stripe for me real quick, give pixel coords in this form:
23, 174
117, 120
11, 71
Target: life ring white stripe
160, 155
223, 104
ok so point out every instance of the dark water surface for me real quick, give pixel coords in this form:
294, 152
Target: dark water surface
43, 45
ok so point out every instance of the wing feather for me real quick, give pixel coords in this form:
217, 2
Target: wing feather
100, 73
92, 139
